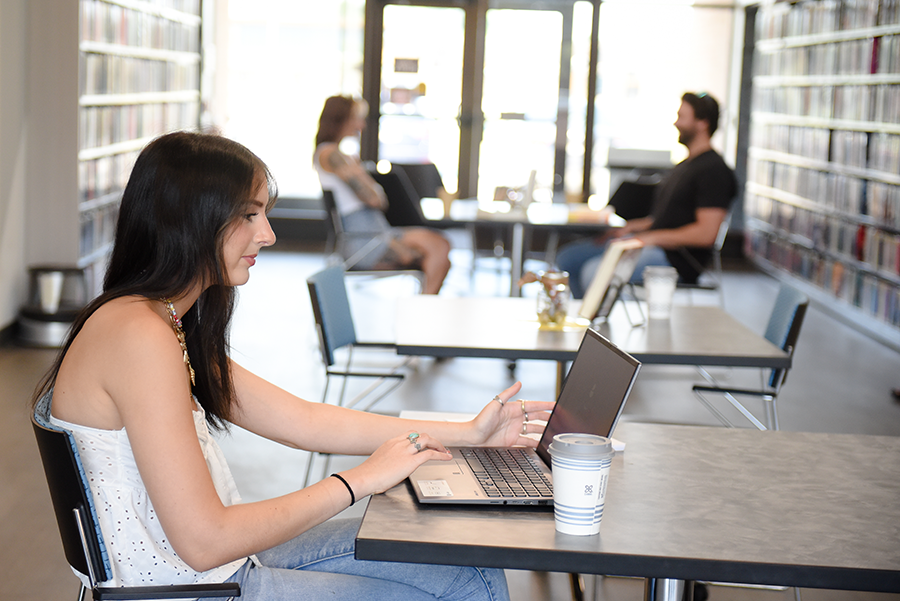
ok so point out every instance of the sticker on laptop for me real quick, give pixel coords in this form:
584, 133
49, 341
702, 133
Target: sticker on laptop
434, 488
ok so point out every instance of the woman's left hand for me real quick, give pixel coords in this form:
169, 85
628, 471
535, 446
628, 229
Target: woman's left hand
504, 422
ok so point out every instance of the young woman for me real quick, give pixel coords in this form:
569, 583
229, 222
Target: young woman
361, 201
145, 372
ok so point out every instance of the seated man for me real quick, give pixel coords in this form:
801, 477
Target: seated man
688, 207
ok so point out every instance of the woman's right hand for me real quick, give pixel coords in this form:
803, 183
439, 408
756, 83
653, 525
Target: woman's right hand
393, 461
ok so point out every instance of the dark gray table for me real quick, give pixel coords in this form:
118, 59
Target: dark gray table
688, 503
557, 217
507, 328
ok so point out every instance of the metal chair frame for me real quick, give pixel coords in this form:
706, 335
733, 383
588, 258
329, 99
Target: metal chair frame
783, 330
335, 329
715, 274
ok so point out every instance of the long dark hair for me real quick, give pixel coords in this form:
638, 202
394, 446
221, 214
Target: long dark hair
335, 113
184, 192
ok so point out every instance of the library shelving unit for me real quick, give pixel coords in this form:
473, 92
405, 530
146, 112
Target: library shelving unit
106, 77
822, 200
139, 77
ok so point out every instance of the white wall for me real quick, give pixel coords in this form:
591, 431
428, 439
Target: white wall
13, 147
51, 172
38, 142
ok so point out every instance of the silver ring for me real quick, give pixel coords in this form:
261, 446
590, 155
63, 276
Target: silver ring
524, 428
522, 401
498, 399
526, 418
418, 446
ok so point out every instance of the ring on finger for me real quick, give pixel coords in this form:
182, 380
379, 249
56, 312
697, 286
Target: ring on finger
413, 437
522, 402
498, 399
524, 427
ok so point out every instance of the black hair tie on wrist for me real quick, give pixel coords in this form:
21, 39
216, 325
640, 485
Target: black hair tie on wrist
349, 490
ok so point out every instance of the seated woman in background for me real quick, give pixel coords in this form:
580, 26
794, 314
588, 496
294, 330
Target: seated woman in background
361, 202
145, 372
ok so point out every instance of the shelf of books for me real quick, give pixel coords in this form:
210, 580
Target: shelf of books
822, 199
139, 77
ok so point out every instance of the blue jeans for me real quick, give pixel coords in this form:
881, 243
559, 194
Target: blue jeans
319, 564
582, 257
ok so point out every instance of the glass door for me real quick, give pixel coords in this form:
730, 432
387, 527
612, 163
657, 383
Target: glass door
520, 100
482, 89
421, 87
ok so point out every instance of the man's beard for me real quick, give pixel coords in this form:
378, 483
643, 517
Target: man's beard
685, 137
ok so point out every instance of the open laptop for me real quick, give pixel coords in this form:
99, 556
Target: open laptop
591, 401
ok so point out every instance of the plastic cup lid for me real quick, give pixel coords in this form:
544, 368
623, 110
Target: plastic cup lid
659, 271
586, 446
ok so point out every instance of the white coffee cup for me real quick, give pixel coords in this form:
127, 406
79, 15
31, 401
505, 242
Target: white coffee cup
659, 282
50, 287
580, 464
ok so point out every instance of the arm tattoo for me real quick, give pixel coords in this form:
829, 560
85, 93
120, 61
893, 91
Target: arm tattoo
354, 176
337, 161
357, 185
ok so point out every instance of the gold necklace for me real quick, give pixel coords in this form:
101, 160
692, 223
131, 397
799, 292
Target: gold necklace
179, 333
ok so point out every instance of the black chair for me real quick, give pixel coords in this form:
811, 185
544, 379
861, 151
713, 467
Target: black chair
711, 278
405, 195
783, 330
633, 199
334, 326
406, 184
403, 209
424, 178
77, 520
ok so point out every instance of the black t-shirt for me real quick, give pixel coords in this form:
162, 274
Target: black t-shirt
702, 182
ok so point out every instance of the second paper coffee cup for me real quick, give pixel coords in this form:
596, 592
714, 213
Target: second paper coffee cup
580, 464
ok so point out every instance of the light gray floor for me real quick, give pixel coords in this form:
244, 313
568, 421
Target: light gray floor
841, 382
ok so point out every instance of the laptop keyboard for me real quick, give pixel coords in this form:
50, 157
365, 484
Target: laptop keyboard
508, 473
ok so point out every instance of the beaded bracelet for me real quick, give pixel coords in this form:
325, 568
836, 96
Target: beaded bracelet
347, 484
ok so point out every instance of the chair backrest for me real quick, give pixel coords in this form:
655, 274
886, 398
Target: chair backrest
403, 200
331, 309
783, 329
718, 245
424, 177
723, 231
69, 493
690, 267
633, 200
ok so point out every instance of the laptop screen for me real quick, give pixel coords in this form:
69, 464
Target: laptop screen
594, 392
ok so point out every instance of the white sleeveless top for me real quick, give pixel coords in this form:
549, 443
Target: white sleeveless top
139, 550
345, 198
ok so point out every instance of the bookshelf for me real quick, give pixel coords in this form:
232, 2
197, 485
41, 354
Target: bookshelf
138, 77
822, 199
